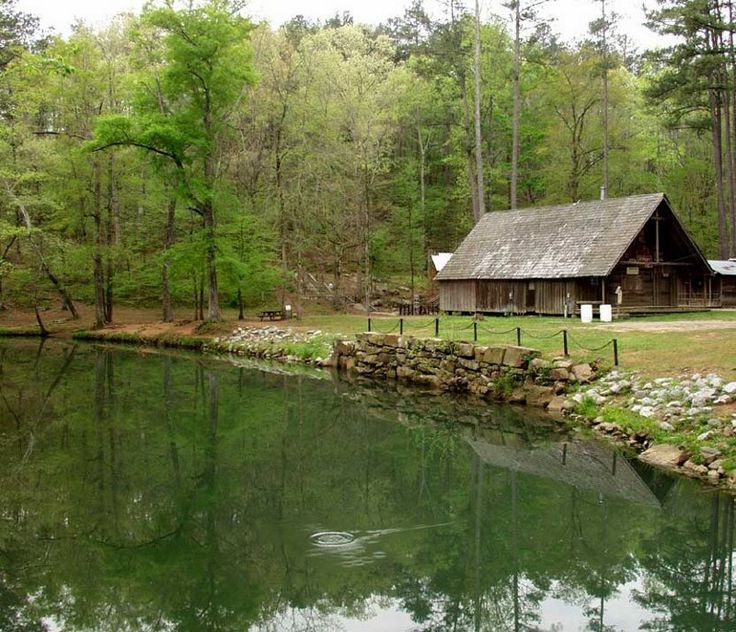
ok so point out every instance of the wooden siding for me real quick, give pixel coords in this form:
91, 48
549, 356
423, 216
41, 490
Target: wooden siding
728, 291
502, 296
457, 296
537, 296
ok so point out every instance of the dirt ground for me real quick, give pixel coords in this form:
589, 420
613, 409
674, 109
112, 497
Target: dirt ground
680, 325
129, 319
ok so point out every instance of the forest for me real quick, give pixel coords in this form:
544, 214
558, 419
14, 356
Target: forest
188, 158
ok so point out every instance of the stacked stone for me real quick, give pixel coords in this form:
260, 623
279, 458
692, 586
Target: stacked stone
505, 372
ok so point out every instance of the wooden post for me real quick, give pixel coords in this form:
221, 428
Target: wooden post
615, 352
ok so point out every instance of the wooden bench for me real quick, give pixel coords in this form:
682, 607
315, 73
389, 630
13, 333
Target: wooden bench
273, 314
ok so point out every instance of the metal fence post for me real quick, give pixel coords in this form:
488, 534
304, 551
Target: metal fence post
369, 324
518, 336
475, 331
615, 352
401, 326
564, 342
436, 327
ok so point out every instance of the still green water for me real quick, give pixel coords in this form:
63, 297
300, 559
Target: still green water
146, 491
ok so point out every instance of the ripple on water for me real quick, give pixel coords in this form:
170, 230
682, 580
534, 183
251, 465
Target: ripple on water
332, 538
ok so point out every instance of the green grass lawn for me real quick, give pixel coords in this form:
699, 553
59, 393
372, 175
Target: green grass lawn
698, 346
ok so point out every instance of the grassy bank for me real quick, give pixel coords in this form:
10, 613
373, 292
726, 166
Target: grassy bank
655, 345
172, 340
662, 345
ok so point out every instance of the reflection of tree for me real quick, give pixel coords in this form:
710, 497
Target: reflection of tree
162, 492
691, 568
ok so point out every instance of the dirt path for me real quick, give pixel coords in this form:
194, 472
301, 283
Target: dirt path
680, 325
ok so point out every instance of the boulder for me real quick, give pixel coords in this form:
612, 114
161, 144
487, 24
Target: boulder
432, 381
695, 468
560, 374
464, 350
729, 388
557, 404
494, 355
393, 340
709, 454
665, 455
518, 396
344, 347
539, 396
518, 357
562, 364
405, 373
470, 365
583, 373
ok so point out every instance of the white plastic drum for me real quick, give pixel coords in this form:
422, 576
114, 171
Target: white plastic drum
606, 314
586, 313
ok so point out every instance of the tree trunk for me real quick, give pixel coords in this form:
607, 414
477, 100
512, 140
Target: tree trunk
65, 298
366, 238
213, 304
283, 225
99, 275
195, 290
200, 316
168, 243
44, 331
732, 156
478, 139
241, 314
516, 115
110, 226
468, 149
604, 26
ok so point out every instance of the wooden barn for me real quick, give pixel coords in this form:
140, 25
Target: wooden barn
725, 281
549, 260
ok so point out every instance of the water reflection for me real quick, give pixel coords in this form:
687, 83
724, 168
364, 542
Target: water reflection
146, 491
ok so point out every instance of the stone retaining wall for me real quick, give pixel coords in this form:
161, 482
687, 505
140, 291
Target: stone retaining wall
502, 372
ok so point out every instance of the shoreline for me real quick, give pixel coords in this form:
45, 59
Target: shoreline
704, 450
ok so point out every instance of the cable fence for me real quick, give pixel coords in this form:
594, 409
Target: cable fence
406, 325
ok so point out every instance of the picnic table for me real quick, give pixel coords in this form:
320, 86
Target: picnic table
273, 314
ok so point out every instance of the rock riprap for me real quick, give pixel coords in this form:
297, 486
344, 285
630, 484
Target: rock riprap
273, 343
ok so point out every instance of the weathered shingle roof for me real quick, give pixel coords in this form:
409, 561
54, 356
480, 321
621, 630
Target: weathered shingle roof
569, 240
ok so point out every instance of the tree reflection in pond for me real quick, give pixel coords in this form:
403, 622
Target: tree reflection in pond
163, 491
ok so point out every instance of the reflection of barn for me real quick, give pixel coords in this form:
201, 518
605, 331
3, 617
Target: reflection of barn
725, 280
539, 260
584, 465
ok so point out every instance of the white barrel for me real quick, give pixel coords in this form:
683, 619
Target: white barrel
586, 313
606, 314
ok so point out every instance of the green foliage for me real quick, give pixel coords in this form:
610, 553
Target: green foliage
315, 347
335, 150
587, 408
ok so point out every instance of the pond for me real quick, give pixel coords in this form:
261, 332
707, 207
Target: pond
154, 491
